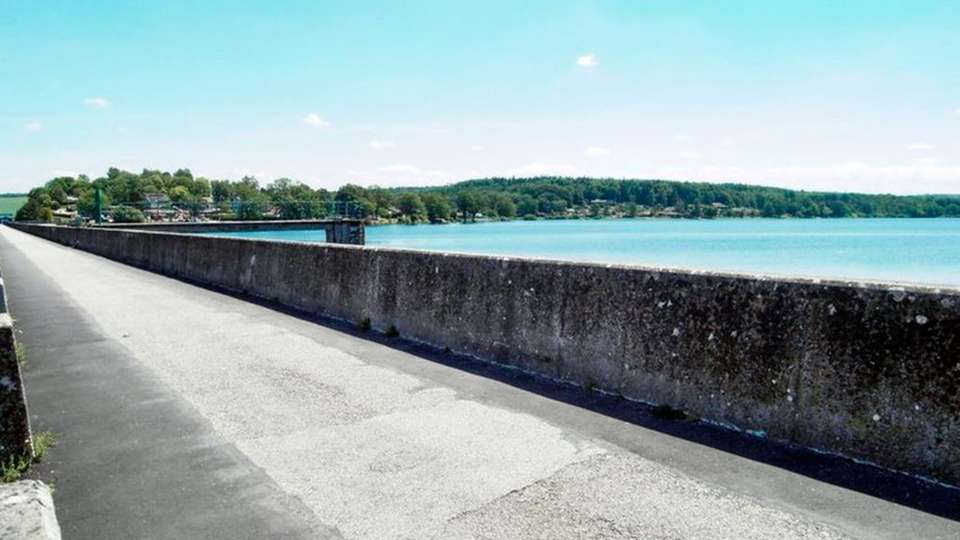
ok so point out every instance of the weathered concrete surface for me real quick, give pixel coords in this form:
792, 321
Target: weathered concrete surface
133, 459
14, 419
869, 371
339, 231
374, 441
26, 512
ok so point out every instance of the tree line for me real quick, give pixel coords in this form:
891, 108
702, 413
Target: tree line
126, 194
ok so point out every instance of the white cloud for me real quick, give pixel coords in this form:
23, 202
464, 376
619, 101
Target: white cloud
957, 111
400, 168
404, 174
596, 152
407, 169
477, 148
691, 155
588, 61
377, 144
920, 146
33, 126
315, 120
869, 177
97, 102
424, 129
681, 139
537, 169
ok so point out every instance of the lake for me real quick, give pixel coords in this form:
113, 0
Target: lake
909, 250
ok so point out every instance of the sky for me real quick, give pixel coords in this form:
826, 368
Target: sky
853, 95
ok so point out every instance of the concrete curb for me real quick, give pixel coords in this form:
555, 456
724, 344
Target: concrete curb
27, 512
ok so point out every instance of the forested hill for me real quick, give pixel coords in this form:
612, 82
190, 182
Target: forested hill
180, 195
555, 194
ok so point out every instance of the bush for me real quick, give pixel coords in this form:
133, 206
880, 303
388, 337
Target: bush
126, 214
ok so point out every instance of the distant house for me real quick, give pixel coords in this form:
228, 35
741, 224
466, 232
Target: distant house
156, 206
155, 200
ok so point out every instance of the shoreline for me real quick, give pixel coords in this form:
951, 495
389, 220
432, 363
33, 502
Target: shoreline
665, 218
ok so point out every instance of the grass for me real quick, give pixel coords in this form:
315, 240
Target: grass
13, 470
41, 443
10, 204
364, 324
21, 352
666, 412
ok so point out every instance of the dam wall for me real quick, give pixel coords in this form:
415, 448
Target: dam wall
871, 371
339, 231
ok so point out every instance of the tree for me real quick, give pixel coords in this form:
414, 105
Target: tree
86, 205
527, 206
467, 205
34, 210
505, 197
39, 206
351, 194
437, 206
221, 191
503, 205
412, 207
382, 199
180, 194
550, 203
247, 189
251, 208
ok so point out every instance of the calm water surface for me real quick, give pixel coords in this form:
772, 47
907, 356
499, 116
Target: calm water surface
911, 250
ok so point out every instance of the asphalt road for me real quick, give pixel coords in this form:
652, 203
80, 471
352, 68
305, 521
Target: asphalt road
186, 413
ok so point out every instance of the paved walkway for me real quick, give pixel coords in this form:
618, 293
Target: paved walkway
183, 413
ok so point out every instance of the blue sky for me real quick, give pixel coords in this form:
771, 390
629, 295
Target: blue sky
820, 95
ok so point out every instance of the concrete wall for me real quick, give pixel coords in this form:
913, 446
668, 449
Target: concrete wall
339, 231
870, 371
14, 420
27, 512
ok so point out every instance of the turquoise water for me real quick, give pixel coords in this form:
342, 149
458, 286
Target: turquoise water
911, 250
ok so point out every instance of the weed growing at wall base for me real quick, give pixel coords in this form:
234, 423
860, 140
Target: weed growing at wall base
14, 469
21, 352
41, 443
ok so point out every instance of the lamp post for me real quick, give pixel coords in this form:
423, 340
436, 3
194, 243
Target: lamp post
98, 206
